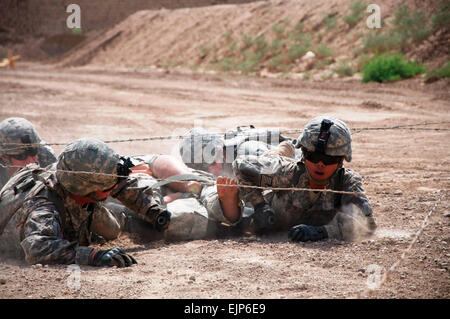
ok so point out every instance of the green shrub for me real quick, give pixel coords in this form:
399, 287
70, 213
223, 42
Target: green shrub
442, 17
322, 51
357, 9
389, 67
344, 69
296, 51
260, 43
330, 21
410, 26
382, 42
443, 72
279, 29
247, 42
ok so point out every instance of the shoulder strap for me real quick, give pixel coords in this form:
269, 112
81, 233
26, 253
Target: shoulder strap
19, 189
339, 187
297, 174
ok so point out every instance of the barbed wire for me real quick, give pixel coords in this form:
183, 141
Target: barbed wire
239, 133
146, 176
386, 276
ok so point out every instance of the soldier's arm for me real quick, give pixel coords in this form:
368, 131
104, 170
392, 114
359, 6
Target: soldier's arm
353, 183
355, 217
43, 240
135, 193
264, 171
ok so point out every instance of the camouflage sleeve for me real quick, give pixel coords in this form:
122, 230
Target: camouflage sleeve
43, 240
265, 171
354, 218
210, 200
5, 175
353, 183
148, 159
46, 156
135, 193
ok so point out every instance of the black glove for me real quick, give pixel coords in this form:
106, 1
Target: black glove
111, 257
307, 233
263, 217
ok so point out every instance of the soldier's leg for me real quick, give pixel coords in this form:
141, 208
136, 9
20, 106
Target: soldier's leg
229, 198
165, 166
104, 223
189, 220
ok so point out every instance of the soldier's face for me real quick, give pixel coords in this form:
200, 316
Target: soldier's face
21, 162
319, 170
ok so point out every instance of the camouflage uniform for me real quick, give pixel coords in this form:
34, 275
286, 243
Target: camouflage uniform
345, 216
15, 133
192, 216
199, 148
39, 218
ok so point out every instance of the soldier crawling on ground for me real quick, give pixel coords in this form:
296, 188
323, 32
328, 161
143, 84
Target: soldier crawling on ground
311, 216
195, 208
215, 153
20, 145
49, 215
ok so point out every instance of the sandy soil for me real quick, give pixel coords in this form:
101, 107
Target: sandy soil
406, 173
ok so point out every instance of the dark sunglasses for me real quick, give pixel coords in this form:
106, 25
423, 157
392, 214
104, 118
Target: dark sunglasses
29, 152
316, 157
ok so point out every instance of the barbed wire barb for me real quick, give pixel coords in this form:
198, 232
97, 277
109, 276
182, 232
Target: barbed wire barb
244, 133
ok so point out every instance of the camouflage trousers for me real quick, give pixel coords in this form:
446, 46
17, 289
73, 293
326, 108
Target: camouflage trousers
192, 217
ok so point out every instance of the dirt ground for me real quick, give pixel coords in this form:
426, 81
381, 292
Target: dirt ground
406, 174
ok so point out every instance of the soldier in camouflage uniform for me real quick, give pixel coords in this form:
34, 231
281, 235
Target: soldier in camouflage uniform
325, 143
20, 145
49, 215
195, 207
214, 153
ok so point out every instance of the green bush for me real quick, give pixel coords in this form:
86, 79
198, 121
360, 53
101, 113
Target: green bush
330, 21
382, 42
410, 26
441, 18
357, 9
389, 67
443, 72
322, 51
344, 69
296, 51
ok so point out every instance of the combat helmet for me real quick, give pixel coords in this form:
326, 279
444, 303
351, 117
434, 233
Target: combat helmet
200, 148
327, 135
15, 134
87, 155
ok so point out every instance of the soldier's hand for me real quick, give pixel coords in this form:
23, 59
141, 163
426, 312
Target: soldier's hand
263, 217
111, 257
307, 233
